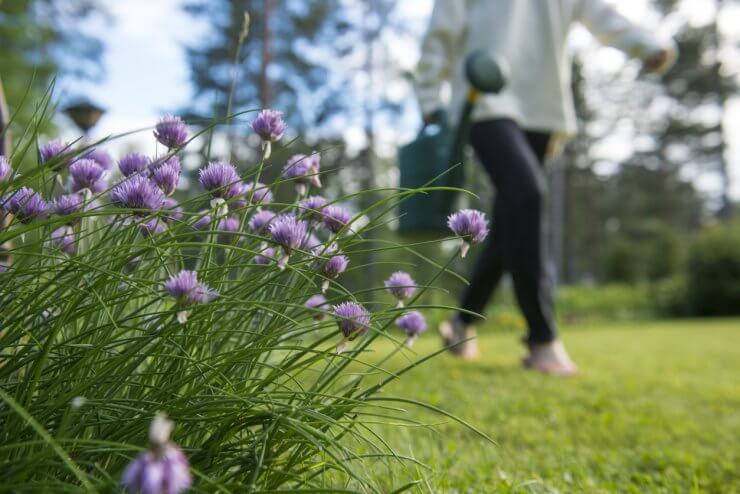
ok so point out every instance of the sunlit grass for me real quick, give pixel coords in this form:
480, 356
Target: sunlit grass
655, 409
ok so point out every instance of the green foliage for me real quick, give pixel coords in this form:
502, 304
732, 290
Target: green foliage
668, 143
714, 272
604, 302
670, 296
622, 262
92, 347
581, 304
651, 252
40, 39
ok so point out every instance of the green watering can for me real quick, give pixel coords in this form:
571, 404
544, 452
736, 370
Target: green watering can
434, 158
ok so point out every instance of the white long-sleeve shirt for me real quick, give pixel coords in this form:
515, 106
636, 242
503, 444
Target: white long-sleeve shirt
530, 35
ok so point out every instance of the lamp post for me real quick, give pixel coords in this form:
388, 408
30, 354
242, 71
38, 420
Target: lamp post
84, 114
4, 119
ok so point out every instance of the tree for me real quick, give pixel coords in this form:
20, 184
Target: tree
275, 65
673, 126
699, 86
42, 39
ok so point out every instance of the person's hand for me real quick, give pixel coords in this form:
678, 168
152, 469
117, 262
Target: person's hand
656, 61
430, 118
435, 117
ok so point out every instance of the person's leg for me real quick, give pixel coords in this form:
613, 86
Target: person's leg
489, 267
546, 353
488, 270
532, 285
513, 161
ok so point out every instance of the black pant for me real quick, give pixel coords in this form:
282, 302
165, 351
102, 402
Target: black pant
514, 160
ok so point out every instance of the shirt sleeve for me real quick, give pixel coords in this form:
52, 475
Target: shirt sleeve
613, 29
438, 51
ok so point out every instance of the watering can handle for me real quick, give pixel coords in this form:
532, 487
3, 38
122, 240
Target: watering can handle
438, 118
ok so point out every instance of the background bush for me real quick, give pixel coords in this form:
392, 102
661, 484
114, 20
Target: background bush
713, 272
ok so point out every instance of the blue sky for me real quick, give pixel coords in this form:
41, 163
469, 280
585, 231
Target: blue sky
147, 73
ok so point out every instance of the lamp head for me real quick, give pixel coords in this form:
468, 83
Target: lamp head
84, 114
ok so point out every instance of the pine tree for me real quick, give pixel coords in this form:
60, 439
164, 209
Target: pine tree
276, 65
41, 39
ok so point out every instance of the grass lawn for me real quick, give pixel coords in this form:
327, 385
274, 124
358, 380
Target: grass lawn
655, 409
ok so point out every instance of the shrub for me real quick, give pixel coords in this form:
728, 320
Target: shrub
670, 296
651, 253
604, 302
714, 272
120, 303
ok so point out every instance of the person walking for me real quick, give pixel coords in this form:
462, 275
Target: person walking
511, 134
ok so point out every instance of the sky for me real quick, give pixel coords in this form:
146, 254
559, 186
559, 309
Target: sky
147, 73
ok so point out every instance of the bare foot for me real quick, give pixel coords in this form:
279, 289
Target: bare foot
550, 358
455, 332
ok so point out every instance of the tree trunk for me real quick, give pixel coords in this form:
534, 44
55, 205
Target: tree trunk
266, 55
725, 211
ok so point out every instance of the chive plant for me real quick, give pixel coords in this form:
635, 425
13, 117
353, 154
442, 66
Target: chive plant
226, 312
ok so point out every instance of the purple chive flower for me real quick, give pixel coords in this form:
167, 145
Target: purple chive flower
137, 192
26, 204
171, 131
330, 262
228, 226
52, 149
318, 304
101, 157
312, 206
311, 242
353, 319
260, 221
64, 238
257, 193
133, 163
173, 211
163, 469
203, 221
67, 204
297, 167
152, 227
336, 218
269, 125
187, 290
265, 257
413, 323
332, 268
289, 233
85, 174
167, 175
100, 186
5, 168
221, 180
401, 285
469, 224
314, 161
303, 171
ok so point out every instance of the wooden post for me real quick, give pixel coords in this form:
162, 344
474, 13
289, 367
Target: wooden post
4, 119
5, 259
